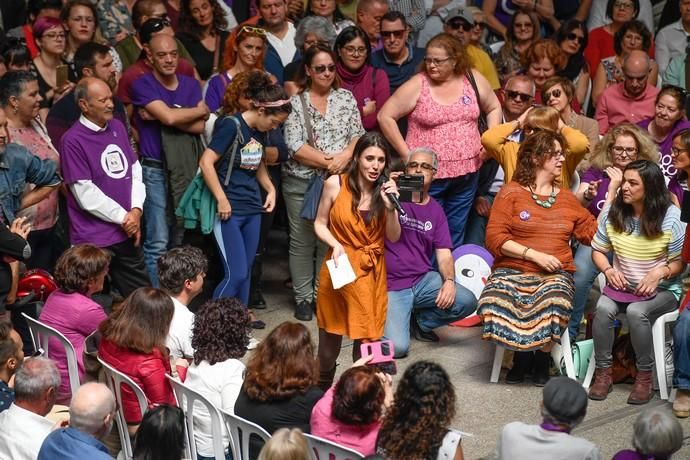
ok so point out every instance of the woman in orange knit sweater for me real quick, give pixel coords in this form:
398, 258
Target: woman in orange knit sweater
527, 300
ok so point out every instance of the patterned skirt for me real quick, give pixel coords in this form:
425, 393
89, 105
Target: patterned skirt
525, 311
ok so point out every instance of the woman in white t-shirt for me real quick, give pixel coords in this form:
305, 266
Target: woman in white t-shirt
219, 337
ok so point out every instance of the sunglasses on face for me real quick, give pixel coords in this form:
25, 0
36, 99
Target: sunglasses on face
456, 24
518, 96
555, 93
574, 37
319, 69
393, 33
480, 24
158, 24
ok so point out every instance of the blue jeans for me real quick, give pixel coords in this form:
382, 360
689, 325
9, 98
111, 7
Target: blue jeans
585, 274
238, 239
156, 230
681, 351
422, 299
475, 231
456, 197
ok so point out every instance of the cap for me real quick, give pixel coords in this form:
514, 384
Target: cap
565, 399
460, 12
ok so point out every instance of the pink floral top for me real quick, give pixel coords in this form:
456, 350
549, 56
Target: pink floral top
450, 130
44, 214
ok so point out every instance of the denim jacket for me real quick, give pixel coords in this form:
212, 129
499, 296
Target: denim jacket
17, 168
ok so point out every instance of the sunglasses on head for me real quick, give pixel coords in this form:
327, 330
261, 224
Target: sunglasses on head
319, 69
518, 96
393, 33
252, 30
574, 37
456, 24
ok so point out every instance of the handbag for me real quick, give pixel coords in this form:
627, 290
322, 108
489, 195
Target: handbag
482, 123
582, 353
312, 196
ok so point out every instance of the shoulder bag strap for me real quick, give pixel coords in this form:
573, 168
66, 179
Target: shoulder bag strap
307, 121
216, 55
233, 149
470, 77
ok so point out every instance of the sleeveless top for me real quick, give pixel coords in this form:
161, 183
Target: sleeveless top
450, 130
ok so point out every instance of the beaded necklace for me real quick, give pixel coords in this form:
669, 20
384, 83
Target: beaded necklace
547, 203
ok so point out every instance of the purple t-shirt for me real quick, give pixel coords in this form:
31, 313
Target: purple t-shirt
666, 160
106, 159
215, 90
591, 175
147, 89
423, 229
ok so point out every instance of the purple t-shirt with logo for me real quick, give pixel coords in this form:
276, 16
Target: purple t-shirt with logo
423, 229
106, 159
147, 89
593, 174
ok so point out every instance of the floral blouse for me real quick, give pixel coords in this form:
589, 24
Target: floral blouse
332, 133
113, 16
44, 214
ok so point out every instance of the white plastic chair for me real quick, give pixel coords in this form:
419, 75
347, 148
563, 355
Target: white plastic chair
588, 97
114, 379
240, 432
575, 182
558, 350
496, 47
40, 335
186, 397
323, 449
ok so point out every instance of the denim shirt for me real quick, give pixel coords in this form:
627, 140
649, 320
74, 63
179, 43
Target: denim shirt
17, 168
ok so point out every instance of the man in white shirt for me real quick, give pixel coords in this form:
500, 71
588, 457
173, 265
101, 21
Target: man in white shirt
181, 272
23, 426
280, 33
671, 41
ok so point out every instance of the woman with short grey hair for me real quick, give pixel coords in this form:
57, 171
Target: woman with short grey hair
656, 434
311, 30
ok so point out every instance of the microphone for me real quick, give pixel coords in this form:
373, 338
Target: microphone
393, 197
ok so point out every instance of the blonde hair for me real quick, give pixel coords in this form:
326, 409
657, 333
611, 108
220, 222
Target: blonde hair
543, 117
286, 444
646, 148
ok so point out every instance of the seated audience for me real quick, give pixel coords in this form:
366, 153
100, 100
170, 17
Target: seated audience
656, 435
23, 426
279, 389
418, 423
161, 435
671, 40
79, 273
286, 444
522, 32
91, 417
572, 38
133, 342
563, 407
11, 357
181, 272
527, 300
419, 296
632, 100
220, 337
543, 60
202, 31
643, 231
351, 411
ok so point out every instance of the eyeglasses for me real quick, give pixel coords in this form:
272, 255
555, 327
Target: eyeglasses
252, 30
434, 61
572, 36
55, 36
675, 152
624, 152
393, 33
319, 69
517, 96
456, 24
352, 51
554, 93
624, 5
423, 165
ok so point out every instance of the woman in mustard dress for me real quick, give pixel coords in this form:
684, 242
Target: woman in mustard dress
354, 216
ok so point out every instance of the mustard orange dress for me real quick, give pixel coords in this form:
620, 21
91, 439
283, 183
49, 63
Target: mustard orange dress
358, 309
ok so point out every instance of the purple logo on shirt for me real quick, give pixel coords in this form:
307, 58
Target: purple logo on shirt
524, 215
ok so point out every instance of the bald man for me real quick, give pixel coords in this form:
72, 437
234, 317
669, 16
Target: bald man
92, 412
369, 15
633, 99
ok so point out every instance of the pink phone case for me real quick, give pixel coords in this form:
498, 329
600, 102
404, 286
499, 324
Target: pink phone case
377, 350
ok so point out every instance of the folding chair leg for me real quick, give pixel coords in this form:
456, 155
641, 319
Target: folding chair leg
498, 360
590, 372
564, 350
658, 343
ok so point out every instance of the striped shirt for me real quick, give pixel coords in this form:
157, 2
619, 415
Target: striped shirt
635, 255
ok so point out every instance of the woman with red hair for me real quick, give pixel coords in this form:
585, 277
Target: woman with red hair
244, 51
542, 60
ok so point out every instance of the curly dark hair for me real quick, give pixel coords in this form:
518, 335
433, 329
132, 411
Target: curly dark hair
220, 331
634, 26
79, 265
179, 265
423, 408
239, 87
188, 24
282, 365
533, 153
358, 396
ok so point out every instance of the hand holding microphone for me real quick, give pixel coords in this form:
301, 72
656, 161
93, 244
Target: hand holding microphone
390, 190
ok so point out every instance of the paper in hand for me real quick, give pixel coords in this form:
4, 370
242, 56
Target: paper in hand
342, 274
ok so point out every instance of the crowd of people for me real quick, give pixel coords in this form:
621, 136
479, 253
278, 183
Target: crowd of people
148, 146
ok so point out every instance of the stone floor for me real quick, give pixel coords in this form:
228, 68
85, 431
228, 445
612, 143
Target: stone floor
482, 408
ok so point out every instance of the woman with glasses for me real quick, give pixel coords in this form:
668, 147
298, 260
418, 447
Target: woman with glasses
328, 9
478, 30
368, 84
621, 146
526, 303
202, 32
321, 133
443, 112
633, 35
244, 51
500, 14
310, 31
572, 38
50, 38
642, 230
523, 30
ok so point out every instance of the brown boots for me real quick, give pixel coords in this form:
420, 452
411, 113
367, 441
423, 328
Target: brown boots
603, 384
642, 390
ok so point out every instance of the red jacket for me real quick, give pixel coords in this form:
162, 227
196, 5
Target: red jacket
147, 370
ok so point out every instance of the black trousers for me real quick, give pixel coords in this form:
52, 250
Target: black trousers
127, 269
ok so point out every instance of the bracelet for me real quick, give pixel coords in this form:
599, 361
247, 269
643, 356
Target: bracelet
524, 252
448, 279
609, 268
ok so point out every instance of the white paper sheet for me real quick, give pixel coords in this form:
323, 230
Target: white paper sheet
342, 274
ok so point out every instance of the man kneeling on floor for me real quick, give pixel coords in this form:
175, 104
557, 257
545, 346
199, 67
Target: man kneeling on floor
420, 297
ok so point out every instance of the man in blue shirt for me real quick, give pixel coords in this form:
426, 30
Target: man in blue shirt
91, 417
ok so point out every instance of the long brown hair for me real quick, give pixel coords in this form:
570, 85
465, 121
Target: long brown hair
141, 323
370, 139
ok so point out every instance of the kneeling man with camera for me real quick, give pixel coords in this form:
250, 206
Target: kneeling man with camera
419, 297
